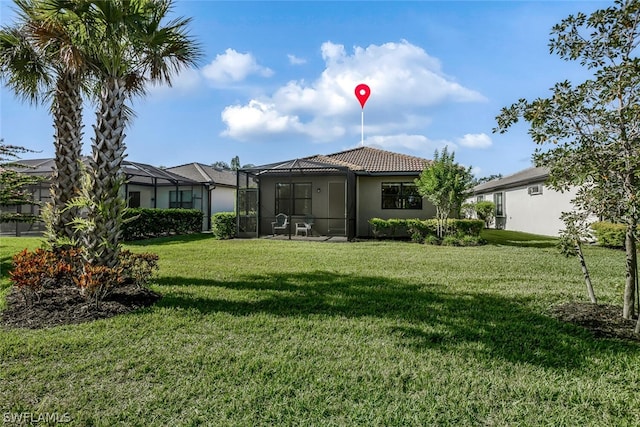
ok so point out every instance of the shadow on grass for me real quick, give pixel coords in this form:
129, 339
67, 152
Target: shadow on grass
171, 240
487, 325
6, 264
516, 238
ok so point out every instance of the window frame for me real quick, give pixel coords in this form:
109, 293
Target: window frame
402, 199
499, 204
180, 202
283, 204
134, 196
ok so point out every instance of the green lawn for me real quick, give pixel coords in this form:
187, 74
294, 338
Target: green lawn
260, 332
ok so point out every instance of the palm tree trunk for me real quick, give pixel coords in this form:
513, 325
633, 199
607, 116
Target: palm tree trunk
107, 207
67, 115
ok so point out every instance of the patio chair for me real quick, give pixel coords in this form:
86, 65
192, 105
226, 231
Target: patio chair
304, 226
281, 222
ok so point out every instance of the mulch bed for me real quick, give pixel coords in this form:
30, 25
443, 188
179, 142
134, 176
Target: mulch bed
604, 321
65, 305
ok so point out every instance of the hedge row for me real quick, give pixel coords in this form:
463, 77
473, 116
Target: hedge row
419, 229
609, 234
141, 223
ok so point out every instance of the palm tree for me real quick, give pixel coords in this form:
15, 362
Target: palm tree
132, 47
33, 51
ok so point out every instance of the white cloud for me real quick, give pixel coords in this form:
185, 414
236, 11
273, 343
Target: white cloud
294, 60
404, 81
233, 66
418, 143
475, 140
476, 171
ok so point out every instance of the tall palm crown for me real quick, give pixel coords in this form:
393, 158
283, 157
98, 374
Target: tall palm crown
41, 60
132, 48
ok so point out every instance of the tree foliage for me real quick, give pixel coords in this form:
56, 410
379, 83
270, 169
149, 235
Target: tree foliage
14, 185
589, 133
444, 183
486, 211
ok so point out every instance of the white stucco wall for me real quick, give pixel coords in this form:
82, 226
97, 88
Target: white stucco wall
223, 199
537, 214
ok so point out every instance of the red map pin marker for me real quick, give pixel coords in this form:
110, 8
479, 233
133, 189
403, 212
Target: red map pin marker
362, 93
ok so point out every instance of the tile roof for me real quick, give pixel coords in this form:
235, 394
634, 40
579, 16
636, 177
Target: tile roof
374, 160
526, 176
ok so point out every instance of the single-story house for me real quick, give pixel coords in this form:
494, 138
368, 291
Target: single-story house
220, 184
337, 192
146, 187
525, 203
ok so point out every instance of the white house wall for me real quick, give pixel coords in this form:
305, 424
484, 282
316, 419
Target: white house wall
223, 199
146, 194
533, 213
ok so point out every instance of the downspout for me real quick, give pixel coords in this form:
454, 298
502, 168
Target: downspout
237, 202
290, 200
210, 189
155, 193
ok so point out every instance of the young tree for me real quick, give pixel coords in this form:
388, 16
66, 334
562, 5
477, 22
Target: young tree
576, 230
594, 127
14, 186
444, 183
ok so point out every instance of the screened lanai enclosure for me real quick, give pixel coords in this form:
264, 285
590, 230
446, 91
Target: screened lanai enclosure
301, 191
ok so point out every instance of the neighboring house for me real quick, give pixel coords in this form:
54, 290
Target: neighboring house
524, 203
220, 184
146, 187
338, 192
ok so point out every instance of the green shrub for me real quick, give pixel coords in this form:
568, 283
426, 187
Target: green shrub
466, 227
472, 241
609, 234
419, 230
432, 239
485, 210
379, 227
138, 268
451, 240
141, 223
223, 225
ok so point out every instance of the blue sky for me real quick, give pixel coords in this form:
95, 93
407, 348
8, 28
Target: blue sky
277, 82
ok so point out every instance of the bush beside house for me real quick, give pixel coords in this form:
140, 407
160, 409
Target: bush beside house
223, 225
609, 234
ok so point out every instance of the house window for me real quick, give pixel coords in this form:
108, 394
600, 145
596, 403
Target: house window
479, 198
498, 200
182, 199
296, 195
534, 190
134, 199
400, 195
